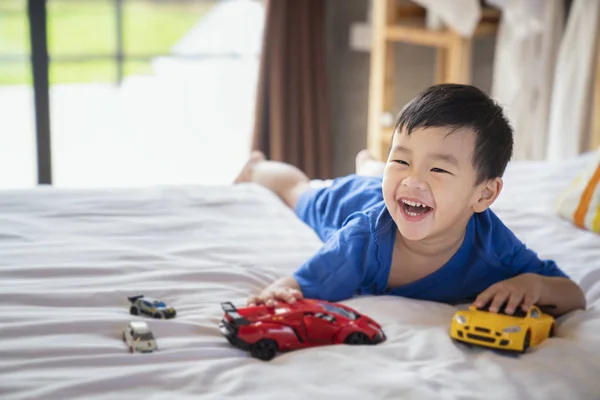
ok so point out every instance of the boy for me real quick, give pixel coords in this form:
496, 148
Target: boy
424, 230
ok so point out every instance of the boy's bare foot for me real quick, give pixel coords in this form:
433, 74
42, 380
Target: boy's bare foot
368, 166
245, 174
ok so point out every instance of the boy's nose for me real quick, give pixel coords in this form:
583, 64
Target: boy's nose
413, 182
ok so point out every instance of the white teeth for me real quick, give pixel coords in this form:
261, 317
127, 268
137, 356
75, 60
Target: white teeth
413, 203
412, 214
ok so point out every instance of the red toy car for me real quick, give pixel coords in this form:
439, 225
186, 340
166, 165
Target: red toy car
266, 330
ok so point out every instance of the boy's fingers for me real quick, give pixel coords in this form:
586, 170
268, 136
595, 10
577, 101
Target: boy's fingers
513, 302
285, 294
528, 301
290, 296
498, 301
270, 302
282, 295
252, 300
485, 297
271, 298
290, 299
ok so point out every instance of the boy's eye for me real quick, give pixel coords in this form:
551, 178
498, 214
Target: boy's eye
439, 170
401, 162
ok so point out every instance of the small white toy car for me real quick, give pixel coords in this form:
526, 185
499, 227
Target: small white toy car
139, 338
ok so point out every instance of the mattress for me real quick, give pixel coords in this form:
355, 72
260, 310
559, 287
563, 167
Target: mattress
70, 258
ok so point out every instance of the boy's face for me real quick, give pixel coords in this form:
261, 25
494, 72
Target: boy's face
429, 182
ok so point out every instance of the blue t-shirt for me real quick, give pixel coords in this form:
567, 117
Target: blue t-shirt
358, 233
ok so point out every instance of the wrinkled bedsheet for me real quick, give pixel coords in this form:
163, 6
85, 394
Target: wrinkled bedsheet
69, 259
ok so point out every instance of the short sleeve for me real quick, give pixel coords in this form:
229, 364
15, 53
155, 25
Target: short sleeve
526, 261
337, 270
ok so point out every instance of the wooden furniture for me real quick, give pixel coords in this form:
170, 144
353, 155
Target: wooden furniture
393, 23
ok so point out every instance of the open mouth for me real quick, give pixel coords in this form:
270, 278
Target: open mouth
414, 209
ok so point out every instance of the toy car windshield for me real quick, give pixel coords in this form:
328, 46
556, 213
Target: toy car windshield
159, 304
339, 311
144, 336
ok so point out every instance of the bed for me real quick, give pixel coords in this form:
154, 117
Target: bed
69, 259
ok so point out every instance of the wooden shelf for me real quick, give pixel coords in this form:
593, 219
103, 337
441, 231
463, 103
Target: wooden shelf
486, 29
418, 35
415, 32
394, 23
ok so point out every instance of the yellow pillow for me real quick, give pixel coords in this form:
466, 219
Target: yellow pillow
580, 203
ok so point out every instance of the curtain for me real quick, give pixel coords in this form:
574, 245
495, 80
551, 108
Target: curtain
460, 15
292, 109
526, 48
573, 82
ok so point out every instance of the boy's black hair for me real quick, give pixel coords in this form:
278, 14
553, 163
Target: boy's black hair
464, 106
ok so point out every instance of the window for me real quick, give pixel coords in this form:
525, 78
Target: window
339, 311
17, 121
145, 336
326, 317
159, 92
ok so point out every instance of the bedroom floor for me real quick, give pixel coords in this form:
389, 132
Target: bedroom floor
189, 123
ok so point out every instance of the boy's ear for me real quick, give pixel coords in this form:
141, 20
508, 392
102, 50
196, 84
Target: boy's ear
490, 191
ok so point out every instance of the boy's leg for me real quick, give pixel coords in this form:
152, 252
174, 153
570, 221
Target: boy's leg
285, 180
367, 165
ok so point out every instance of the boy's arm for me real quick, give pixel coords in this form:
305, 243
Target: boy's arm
534, 282
334, 273
562, 292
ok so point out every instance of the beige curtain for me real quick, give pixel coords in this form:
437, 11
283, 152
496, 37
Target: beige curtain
526, 48
570, 129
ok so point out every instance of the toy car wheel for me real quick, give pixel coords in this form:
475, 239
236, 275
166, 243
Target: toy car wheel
357, 338
552, 331
264, 349
158, 315
526, 342
131, 349
134, 310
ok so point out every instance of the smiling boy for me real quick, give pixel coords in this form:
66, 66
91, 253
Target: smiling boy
424, 230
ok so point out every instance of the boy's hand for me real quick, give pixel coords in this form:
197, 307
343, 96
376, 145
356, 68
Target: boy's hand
271, 296
523, 290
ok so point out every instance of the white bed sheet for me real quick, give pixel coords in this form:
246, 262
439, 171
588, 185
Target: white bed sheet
69, 259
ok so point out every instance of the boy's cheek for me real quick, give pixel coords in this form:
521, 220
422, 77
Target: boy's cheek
448, 210
389, 190
390, 203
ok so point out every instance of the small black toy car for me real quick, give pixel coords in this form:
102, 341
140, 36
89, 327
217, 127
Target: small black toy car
151, 307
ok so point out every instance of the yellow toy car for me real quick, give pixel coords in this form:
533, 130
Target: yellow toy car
516, 332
